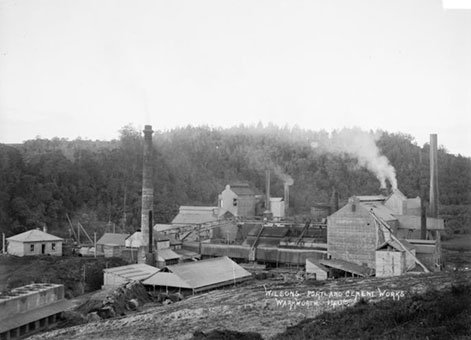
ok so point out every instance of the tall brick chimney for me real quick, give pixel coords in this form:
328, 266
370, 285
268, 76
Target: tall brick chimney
147, 186
286, 197
433, 176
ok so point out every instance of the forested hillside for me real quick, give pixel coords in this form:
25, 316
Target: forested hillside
96, 181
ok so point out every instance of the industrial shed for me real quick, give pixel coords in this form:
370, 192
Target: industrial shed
111, 244
116, 276
199, 276
195, 215
275, 256
34, 242
351, 231
392, 259
316, 269
238, 199
409, 227
32, 308
401, 205
347, 267
166, 257
428, 252
266, 236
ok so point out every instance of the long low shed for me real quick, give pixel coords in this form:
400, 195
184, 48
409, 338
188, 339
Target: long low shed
199, 276
119, 275
292, 256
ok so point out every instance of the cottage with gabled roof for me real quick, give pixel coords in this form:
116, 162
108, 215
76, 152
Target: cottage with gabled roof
34, 242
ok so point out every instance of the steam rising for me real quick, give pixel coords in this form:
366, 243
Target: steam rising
362, 146
259, 159
283, 176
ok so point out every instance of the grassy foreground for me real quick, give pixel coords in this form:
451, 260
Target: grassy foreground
433, 315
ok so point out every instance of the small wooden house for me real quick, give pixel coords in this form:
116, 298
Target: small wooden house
111, 244
34, 242
392, 259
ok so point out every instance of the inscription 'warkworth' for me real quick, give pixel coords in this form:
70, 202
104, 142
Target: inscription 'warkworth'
293, 299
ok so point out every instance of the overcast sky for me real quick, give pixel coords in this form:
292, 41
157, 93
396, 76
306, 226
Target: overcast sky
86, 68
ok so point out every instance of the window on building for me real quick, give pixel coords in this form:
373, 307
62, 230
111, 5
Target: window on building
234, 202
31, 247
53, 246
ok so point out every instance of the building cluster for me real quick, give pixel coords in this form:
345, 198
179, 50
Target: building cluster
202, 248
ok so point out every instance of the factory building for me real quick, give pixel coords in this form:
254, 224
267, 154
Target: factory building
354, 235
30, 309
238, 199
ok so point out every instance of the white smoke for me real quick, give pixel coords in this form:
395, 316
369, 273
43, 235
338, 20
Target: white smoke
362, 146
282, 175
259, 159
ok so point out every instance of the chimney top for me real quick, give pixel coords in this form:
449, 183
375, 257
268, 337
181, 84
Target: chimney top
148, 128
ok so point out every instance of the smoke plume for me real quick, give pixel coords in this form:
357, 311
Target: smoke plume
259, 159
282, 175
361, 145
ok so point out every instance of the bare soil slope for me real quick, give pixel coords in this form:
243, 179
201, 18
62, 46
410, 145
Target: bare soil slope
267, 307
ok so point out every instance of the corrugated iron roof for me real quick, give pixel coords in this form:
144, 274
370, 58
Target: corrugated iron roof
166, 279
114, 239
34, 235
164, 227
241, 189
371, 198
196, 215
133, 272
269, 231
187, 254
196, 275
380, 210
346, 266
396, 245
167, 254
318, 264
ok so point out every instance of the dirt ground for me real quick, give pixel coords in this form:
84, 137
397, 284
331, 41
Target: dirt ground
266, 307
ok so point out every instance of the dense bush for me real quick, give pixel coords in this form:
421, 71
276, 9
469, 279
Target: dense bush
42, 180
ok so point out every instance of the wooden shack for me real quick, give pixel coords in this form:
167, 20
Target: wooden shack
392, 259
316, 269
111, 244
